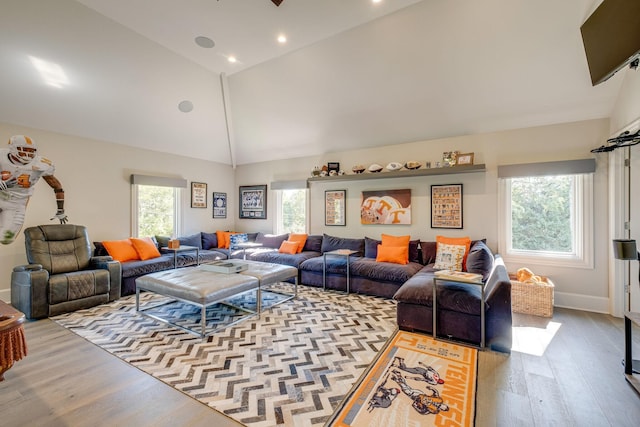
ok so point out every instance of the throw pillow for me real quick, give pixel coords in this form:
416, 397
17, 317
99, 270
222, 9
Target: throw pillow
466, 241
163, 241
221, 235
394, 254
121, 250
388, 240
209, 241
191, 240
449, 257
300, 238
371, 247
100, 249
145, 247
288, 247
234, 239
480, 260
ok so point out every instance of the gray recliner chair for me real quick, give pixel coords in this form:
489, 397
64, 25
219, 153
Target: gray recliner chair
62, 276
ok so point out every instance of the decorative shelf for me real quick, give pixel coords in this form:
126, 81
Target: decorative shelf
401, 173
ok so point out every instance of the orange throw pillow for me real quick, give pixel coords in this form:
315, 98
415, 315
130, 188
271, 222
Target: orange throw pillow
300, 238
394, 254
388, 240
466, 241
121, 250
221, 235
288, 247
145, 248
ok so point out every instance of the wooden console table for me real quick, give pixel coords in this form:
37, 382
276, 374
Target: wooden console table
13, 345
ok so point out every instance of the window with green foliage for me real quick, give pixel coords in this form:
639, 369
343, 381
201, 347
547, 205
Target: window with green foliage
156, 210
548, 218
291, 215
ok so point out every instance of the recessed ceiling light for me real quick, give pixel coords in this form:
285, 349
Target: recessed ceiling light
376, 1
232, 59
282, 38
185, 106
204, 42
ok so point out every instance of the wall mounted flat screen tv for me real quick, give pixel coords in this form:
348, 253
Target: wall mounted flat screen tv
611, 37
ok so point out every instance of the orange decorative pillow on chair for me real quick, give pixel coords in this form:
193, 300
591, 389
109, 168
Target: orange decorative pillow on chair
121, 250
145, 247
394, 254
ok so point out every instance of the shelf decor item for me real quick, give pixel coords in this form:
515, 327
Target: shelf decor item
219, 205
446, 206
465, 159
335, 202
198, 195
253, 202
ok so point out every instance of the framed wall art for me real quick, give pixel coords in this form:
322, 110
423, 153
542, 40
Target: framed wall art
386, 207
198, 195
253, 202
219, 205
335, 202
446, 206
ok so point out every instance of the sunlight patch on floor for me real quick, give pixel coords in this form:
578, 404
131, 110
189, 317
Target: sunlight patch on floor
532, 334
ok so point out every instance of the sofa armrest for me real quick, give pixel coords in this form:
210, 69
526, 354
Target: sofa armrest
498, 296
29, 290
115, 274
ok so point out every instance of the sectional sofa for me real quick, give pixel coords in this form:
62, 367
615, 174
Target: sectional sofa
409, 284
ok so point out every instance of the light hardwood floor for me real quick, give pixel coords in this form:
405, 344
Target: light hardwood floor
564, 371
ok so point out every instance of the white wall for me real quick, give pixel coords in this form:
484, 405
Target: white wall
95, 177
579, 288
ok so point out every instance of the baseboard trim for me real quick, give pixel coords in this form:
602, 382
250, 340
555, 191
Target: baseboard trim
581, 302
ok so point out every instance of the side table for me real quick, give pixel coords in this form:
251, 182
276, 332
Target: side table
182, 248
630, 370
13, 345
471, 280
338, 252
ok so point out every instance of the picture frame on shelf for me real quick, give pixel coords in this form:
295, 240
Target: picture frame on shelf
198, 195
446, 206
253, 201
335, 203
465, 159
219, 205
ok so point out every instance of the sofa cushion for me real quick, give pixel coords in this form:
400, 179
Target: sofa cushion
209, 240
146, 247
191, 240
313, 243
99, 250
138, 268
271, 240
163, 241
428, 250
331, 243
480, 260
393, 254
121, 250
381, 271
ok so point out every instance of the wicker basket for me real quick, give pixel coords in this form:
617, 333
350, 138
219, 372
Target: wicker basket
532, 298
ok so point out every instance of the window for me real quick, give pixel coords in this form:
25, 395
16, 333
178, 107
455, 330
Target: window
156, 206
291, 213
547, 219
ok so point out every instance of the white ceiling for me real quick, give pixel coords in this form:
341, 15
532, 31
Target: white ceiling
353, 74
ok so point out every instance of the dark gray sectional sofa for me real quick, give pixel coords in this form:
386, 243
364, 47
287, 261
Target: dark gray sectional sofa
409, 284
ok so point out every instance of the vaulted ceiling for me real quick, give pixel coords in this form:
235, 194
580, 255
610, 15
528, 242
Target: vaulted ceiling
352, 73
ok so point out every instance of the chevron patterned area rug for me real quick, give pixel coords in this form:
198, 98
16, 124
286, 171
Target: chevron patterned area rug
292, 366
415, 381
